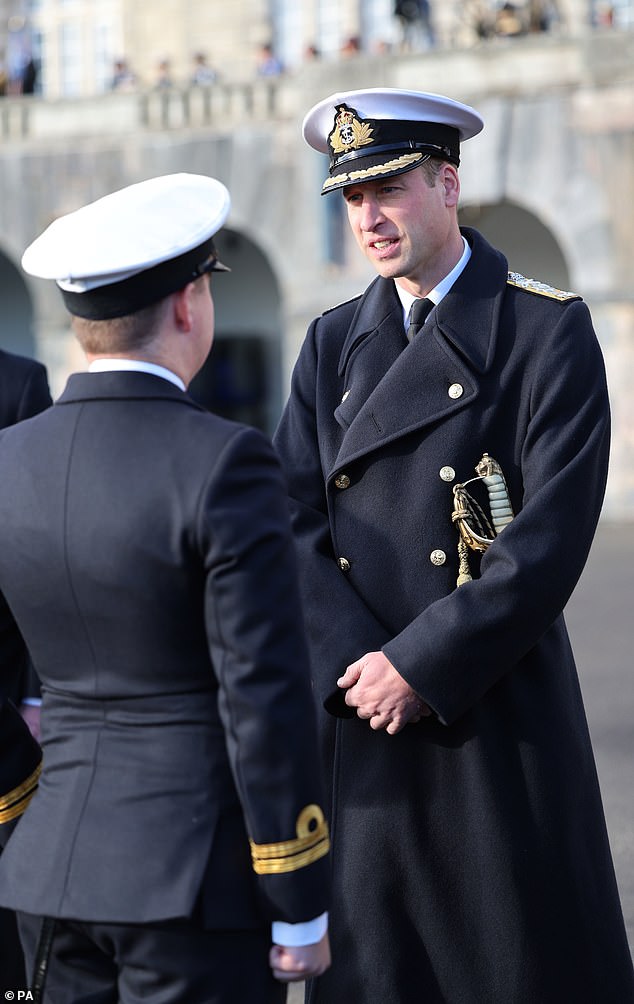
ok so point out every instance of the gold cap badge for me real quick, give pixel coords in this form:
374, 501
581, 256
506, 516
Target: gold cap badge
349, 132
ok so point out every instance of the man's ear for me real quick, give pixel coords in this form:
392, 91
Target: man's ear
182, 307
451, 181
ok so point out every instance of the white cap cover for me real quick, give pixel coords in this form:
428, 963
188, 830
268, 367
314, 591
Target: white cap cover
162, 221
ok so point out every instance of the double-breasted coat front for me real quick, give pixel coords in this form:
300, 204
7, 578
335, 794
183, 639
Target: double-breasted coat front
470, 858
147, 559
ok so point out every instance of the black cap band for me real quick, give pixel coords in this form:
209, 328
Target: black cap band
367, 137
103, 303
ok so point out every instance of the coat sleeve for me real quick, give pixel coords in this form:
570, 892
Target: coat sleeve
462, 644
339, 619
256, 638
35, 395
14, 661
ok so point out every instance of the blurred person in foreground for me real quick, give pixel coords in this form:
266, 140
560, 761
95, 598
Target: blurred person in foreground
24, 392
446, 446
148, 563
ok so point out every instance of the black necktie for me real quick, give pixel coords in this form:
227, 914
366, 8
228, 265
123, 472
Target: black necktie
417, 314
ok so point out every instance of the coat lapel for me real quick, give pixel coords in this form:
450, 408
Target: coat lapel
374, 342
393, 388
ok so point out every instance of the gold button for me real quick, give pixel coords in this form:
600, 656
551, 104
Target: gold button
447, 473
456, 390
438, 557
344, 564
343, 481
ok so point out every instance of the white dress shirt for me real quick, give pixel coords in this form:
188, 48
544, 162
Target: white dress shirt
436, 294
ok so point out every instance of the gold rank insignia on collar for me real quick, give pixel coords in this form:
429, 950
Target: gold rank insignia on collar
311, 843
541, 288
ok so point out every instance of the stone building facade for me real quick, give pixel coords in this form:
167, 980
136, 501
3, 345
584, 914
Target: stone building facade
78, 41
550, 180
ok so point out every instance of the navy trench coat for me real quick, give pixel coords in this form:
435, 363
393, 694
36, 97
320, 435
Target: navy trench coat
471, 863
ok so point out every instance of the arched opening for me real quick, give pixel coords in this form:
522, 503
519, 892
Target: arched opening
16, 328
242, 379
527, 243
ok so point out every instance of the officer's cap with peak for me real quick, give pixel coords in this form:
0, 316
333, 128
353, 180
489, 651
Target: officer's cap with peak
133, 247
379, 132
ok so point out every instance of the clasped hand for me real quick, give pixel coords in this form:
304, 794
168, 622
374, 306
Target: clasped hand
291, 965
380, 694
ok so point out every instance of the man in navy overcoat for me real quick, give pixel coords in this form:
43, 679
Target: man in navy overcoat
175, 849
470, 857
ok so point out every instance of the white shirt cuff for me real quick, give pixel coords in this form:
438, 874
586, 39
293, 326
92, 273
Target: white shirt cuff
309, 932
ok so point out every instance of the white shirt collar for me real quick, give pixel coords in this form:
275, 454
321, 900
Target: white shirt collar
138, 365
436, 294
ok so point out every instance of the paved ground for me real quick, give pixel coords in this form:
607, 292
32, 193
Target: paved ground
600, 619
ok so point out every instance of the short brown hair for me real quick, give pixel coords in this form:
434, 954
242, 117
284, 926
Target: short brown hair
120, 334
431, 169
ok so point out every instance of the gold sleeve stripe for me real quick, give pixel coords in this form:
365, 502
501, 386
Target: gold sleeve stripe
311, 843
15, 802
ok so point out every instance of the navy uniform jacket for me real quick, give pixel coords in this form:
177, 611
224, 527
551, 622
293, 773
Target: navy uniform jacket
471, 861
24, 392
23, 388
147, 558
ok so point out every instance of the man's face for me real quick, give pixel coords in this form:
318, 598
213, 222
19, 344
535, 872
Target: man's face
406, 229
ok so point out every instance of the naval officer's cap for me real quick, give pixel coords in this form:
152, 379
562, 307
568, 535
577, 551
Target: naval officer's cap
379, 132
133, 247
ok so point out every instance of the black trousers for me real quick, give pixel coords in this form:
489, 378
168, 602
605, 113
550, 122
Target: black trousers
12, 975
173, 962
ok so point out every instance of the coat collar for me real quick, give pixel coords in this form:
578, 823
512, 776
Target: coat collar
467, 316
123, 385
392, 388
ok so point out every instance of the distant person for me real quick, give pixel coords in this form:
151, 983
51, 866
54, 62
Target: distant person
268, 65
123, 79
29, 77
509, 22
542, 14
163, 78
351, 47
176, 848
416, 24
202, 73
603, 15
